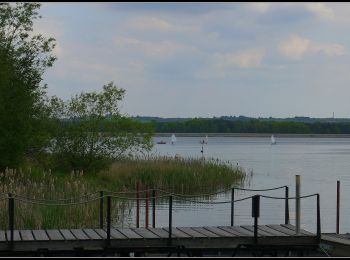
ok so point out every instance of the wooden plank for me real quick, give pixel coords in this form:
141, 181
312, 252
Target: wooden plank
220, 232
67, 234
272, 231
205, 232
335, 239
177, 233
79, 234
282, 229
116, 234
191, 232
302, 231
27, 235
16, 235
92, 234
40, 235
236, 232
129, 233
2, 236
260, 232
145, 233
55, 235
161, 232
102, 233
243, 231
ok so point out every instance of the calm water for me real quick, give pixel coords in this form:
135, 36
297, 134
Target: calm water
319, 161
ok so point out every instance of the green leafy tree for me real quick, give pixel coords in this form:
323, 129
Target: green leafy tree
91, 131
24, 57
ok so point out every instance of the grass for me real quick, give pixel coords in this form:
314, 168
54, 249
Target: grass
188, 176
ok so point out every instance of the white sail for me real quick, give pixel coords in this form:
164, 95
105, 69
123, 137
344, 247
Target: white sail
206, 139
273, 141
173, 139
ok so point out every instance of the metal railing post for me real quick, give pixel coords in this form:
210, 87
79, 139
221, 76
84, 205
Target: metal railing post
147, 208
108, 220
297, 204
101, 208
318, 218
255, 215
170, 218
138, 204
338, 205
232, 205
286, 217
154, 208
11, 211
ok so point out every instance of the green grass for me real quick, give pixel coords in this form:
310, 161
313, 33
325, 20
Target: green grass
188, 176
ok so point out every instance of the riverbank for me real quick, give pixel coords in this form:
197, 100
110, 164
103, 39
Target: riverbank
253, 135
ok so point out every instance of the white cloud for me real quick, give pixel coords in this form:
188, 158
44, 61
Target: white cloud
151, 23
321, 10
295, 47
244, 59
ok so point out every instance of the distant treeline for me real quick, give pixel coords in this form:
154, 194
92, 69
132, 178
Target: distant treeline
251, 126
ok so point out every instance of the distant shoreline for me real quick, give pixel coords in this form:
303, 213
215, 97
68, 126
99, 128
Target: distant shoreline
252, 135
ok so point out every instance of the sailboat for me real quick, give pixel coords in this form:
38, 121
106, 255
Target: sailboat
273, 141
173, 139
206, 139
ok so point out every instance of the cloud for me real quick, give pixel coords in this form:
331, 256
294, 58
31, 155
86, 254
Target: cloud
295, 47
244, 59
152, 23
321, 10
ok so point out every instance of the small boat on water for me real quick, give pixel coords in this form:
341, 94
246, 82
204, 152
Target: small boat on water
273, 140
161, 142
173, 139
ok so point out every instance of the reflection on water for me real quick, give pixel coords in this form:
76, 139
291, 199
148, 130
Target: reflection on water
319, 161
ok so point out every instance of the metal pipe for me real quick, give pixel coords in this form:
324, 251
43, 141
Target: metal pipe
147, 207
232, 206
338, 204
137, 204
318, 218
154, 208
297, 204
286, 217
170, 218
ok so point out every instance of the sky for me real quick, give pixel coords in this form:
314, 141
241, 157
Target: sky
204, 59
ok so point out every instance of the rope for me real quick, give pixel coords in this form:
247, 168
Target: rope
218, 202
58, 204
289, 198
74, 198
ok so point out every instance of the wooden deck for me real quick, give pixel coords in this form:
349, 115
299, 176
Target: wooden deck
156, 239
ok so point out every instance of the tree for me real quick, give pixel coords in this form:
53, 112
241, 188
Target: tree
24, 57
91, 131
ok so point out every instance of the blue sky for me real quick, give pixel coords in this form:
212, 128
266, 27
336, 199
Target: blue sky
205, 59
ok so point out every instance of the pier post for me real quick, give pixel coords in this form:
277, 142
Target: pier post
318, 218
11, 208
137, 204
108, 220
297, 204
286, 217
154, 208
232, 206
255, 215
101, 209
170, 218
147, 207
338, 204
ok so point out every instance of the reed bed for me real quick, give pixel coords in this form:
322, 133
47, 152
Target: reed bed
36, 188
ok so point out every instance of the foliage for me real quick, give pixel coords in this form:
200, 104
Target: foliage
250, 126
24, 57
91, 131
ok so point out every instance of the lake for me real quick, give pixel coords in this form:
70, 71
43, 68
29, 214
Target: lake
319, 161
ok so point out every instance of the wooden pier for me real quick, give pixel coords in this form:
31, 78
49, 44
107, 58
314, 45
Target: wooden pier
184, 240
192, 241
